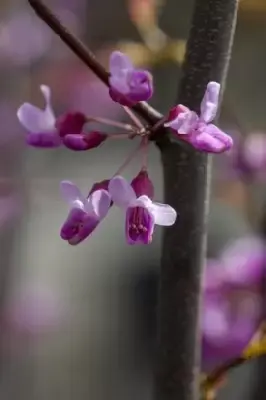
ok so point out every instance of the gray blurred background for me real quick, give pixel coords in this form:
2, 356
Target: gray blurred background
87, 327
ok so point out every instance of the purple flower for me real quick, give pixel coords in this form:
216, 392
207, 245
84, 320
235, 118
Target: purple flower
128, 85
233, 303
39, 123
85, 213
45, 131
197, 130
141, 212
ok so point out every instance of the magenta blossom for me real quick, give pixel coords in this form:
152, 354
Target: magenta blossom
233, 301
197, 130
45, 131
141, 212
40, 123
85, 213
128, 85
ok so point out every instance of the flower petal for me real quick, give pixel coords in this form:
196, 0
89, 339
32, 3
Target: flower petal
99, 202
164, 214
121, 191
71, 193
139, 225
118, 62
118, 85
46, 140
184, 123
210, 102
35, 119
213, 140
70, 227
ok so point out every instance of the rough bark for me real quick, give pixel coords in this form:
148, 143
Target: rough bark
186, 181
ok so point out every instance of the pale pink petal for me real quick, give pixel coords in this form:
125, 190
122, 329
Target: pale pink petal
71, 193
36, 120
210, 102
184, 123
119, 83
142, 201
121, 191
164, 214
118, 62
99, 202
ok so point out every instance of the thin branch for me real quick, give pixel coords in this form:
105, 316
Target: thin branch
147, 112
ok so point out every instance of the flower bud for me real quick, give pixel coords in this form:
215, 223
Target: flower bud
142, 185
84, 142
70, 123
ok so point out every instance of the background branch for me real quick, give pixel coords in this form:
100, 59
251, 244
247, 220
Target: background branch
186, 178
144, 110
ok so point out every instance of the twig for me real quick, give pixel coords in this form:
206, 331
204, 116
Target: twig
143, 109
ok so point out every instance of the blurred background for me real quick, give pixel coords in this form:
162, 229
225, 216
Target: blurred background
80, 321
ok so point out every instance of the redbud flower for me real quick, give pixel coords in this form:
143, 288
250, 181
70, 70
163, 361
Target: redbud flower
84, 141
128, 85
85, 213
197, 130
233, 301
40, 123
44, 130
141, 212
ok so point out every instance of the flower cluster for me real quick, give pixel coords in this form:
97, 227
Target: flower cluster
233, 301
127, 86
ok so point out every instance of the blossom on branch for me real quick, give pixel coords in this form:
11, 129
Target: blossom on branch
85, 213
141, 212
128, 85
198, 130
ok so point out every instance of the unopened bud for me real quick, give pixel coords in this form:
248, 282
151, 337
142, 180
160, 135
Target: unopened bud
84, 142
70, 123
142, 185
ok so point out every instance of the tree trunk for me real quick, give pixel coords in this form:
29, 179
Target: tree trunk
186, 181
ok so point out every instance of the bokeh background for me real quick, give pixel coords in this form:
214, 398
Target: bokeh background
79, 322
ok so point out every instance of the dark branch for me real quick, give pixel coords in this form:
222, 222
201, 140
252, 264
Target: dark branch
148, 113
186, 180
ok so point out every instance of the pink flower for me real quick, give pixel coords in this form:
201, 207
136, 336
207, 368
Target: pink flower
85, 213
197, 130
44, 130
40, 123
128, 85
141, 212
